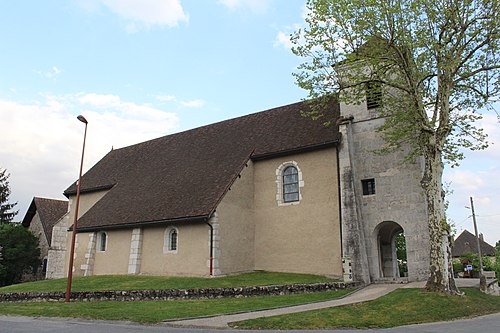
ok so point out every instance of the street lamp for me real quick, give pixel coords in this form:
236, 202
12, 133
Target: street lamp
73, 238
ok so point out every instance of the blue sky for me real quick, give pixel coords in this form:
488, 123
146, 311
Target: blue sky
141, 69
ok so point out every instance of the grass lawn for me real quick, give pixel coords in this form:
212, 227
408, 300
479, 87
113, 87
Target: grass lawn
156, 311
401, 307
124, 282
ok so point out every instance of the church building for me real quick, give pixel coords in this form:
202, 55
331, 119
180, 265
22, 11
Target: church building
273, 191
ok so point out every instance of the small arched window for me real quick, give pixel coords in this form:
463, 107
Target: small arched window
172, 237
171, 240
102, 241
290, 184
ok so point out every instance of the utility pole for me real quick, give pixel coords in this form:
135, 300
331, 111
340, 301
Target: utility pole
477, 239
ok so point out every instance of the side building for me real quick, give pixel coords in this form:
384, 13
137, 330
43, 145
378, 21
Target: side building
42, 215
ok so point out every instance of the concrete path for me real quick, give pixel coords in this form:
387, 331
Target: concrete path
368, 293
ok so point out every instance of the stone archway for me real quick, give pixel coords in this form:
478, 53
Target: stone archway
386, 233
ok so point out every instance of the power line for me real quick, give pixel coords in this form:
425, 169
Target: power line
487, 215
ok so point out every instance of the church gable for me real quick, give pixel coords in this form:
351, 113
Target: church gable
48, 213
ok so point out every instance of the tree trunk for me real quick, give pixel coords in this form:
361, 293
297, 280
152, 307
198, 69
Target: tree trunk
441, 270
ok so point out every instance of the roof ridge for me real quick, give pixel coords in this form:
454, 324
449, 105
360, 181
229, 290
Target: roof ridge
239, 118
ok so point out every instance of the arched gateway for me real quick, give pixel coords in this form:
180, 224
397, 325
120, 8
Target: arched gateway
387, 234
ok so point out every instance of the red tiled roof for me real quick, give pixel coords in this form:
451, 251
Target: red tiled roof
183, 176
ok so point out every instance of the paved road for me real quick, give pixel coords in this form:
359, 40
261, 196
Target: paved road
485, 324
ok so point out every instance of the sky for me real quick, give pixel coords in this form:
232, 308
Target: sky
141, 69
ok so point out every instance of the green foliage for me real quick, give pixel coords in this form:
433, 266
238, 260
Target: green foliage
458, 267
401, 307
6, 213
134, 282
488, 263
437, 63
492, 265
473, 258
401, 253
20, 252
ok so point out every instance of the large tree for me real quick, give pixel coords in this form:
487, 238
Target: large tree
436, 63
20, 252
6, 212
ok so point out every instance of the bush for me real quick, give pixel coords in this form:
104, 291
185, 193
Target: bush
20, 252
458, 267
488, 264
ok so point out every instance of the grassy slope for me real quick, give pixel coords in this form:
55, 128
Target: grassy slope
156, 311
401, 307
124, 282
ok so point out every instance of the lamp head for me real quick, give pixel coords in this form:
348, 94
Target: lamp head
82, 119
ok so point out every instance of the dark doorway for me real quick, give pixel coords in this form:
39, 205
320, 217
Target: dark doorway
392, 250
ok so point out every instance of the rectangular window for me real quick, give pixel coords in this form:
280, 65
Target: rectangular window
368, 186
373, 95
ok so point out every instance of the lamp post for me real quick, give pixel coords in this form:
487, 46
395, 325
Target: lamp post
73, 238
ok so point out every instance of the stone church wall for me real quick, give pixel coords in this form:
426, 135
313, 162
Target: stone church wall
398, 201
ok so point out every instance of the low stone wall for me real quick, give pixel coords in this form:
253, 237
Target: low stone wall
177, 294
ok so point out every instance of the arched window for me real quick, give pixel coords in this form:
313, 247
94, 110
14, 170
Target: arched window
172, 237
290, 184
102, 241
171, 242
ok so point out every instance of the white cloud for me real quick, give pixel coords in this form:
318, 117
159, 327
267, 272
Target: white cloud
466, 180
142, 13
259, 6
149, 12
477, 177
50, 74
99, 100
166, 98
195, 103
491, 126
283, 39
483, 187
41, 141
55, 71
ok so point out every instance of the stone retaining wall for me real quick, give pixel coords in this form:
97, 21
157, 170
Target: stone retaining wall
176, 294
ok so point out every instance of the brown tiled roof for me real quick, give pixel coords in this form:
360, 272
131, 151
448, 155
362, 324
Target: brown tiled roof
49, 210
183, 176
466, 243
